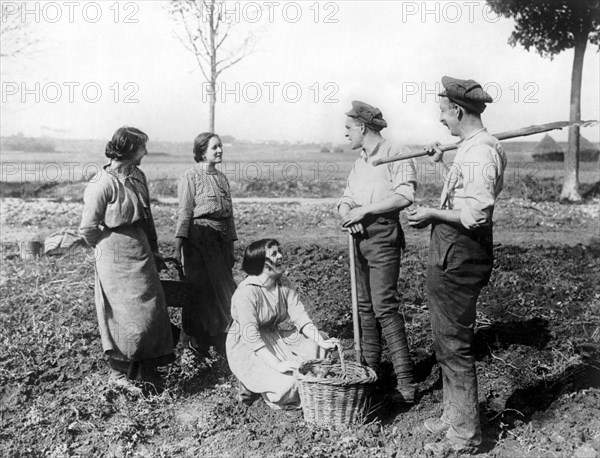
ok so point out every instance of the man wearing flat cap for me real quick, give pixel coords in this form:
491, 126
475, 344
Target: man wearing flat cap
370, 210
460, 256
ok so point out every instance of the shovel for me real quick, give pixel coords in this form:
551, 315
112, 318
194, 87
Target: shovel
521, 132
355, 317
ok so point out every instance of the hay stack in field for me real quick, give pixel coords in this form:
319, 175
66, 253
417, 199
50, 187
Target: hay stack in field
548, 150
588, 152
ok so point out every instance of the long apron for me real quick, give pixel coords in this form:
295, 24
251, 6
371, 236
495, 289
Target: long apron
130, 303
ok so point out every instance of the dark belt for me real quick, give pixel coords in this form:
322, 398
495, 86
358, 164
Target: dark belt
383, 218
212, 218
481, 235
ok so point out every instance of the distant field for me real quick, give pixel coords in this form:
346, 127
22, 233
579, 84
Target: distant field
76, 161
242, 163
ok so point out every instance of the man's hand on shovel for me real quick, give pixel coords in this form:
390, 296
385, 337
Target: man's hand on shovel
351, 221
354, 229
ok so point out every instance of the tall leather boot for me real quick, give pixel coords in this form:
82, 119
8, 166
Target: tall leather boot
395, 335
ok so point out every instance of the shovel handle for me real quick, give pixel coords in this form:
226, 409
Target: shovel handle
355, 317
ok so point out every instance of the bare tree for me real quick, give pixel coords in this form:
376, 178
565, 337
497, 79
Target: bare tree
15, 36
551, 26
204, 29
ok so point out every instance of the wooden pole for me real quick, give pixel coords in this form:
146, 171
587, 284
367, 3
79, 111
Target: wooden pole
355, 317
522, 132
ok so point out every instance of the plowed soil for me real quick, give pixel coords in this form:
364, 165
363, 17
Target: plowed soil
537, 344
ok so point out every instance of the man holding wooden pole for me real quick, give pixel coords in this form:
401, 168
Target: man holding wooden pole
370, 210
460, 256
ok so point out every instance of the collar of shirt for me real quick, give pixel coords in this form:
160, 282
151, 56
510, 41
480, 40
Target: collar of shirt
466, 143
254, 280
122, 170
368, 153
202, 165
466, 140
257, 281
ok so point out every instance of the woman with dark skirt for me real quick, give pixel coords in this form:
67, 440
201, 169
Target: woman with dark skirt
205, 237
130, 303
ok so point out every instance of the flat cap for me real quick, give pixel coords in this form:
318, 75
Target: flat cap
367, 114
467, 93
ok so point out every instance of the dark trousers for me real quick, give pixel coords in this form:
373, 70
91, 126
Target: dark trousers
459, 266
377, 270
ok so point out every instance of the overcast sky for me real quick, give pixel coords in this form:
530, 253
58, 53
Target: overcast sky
310, 61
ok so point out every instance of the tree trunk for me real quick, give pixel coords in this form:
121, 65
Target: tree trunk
213, 63
212, 100
570, 189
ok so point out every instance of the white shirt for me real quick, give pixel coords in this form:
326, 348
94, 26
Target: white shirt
475, 179
368, 183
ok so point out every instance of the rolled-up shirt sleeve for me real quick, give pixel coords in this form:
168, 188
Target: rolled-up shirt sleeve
480, 173
244, 308
186, 192
95, 199
404, 177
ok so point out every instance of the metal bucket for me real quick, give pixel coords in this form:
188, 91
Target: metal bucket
30, 249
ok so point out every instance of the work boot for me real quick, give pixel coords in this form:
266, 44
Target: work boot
436, 425
405, 393
201, 351
151, 380
117, 379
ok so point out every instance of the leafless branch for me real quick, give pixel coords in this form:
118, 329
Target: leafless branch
206, 30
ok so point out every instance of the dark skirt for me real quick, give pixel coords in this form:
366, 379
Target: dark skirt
208, 261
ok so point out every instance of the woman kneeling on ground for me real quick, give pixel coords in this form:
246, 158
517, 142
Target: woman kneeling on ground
262, 353
130, 303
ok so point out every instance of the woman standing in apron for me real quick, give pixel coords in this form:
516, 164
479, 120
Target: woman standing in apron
130, 303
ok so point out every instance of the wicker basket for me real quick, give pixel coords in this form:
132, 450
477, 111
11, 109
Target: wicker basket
338, 400
178, 293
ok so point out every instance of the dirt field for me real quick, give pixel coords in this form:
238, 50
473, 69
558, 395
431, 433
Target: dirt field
538, 345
